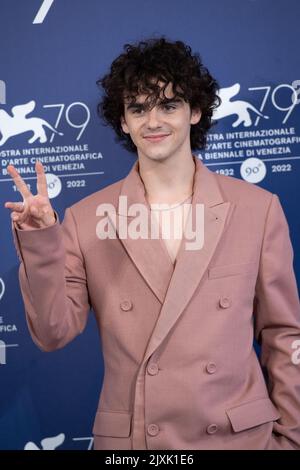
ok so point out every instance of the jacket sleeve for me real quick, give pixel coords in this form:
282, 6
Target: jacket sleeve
53, 282
277, 326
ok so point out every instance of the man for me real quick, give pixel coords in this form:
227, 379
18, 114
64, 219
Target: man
176, 320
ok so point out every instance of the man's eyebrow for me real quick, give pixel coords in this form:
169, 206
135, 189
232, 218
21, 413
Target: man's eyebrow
135, 105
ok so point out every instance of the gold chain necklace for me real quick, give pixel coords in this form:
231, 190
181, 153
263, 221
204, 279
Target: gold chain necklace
170, 208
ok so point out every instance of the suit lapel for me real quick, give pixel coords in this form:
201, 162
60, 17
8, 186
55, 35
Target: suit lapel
148, 254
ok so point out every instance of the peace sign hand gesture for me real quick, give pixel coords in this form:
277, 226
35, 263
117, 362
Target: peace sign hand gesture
35, 211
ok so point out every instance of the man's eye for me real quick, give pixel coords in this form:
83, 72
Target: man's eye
169, 107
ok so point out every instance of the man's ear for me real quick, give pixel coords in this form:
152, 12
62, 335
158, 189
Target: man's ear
124, 125
195, 116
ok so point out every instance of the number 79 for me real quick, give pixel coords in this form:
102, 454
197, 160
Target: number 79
75, 106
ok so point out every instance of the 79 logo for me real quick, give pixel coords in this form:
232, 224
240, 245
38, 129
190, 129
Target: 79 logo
69, 113
294, 89
77, 115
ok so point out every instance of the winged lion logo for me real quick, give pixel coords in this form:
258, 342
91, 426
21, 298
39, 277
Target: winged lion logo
19, 123
240, 108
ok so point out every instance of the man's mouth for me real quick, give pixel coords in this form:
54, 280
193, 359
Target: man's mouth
156, 138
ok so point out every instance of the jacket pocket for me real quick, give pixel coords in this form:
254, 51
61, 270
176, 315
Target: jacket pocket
112, 424
230, 270
251, 414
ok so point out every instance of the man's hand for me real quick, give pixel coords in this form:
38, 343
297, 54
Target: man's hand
35, 211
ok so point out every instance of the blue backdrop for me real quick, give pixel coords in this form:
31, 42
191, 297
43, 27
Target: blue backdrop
51, 54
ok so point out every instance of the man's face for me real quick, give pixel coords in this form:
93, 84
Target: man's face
162, 131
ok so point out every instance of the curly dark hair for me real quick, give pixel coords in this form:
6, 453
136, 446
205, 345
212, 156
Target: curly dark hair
138, 71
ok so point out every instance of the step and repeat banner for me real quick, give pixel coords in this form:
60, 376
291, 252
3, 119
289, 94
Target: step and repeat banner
52, 53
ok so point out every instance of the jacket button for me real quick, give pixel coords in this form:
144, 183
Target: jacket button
211, 367
211, 429
153, 429
224, 302
126, 305
152, 369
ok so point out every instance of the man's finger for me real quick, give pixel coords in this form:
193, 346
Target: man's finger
15, 206
15, 216
19, 182
41, 179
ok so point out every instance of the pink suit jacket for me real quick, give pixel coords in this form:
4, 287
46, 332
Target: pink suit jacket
180, 368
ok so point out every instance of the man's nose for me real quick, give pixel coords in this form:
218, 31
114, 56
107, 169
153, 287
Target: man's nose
153, 120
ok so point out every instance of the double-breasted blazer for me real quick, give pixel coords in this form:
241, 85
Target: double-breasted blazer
181, 371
